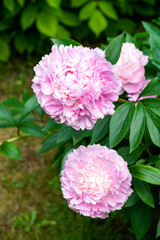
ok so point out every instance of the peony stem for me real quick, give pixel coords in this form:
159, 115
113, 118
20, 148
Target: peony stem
146, 149
121, 100
15, 139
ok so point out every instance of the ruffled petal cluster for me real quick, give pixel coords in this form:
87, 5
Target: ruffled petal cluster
130, 68
134, 96
95, 181
76, 85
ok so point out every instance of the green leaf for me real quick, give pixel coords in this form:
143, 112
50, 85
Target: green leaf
153, 124
101, 128
69, 19
28, 16
108, 9
10, 150
54, 4
80, 134
65, 134
87, 11
141, 219
65, 42
113, 49
9, 4
4, 50
20, 42
146, 173
32, 129
152, 88
21, 2
5, 124
6, 115
29, 106
47, 23
153, 104
151, 29
137, 127
97, 23
62, 32
49, 143
120, 123
75, 3
51, 125
132, 200
69, 150
158, 230
12, 102
144, 192
132, 157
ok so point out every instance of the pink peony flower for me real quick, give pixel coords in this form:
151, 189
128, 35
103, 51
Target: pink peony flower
130, 68
76, 85
134, 96
95, 181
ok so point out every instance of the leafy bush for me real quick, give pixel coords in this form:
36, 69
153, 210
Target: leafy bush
134, 132
26, 24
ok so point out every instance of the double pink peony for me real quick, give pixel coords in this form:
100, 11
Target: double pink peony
134, 96
76, 85
130, 68
95, 181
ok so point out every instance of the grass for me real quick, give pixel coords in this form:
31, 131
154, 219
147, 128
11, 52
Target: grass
32, 206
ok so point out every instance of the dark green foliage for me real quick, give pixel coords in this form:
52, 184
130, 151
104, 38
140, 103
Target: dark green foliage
27, 24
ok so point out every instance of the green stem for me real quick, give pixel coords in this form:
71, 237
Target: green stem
146, 149
15, 139
121, 100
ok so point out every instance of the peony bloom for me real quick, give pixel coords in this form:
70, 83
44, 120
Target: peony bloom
130, 68
76, 85
95, 181
134, 96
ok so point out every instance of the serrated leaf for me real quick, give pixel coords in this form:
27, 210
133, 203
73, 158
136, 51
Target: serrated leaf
152, 88
141, 219
120, 123
153, 124
146, 173
132, 157
101, 128
9, 4
49, 27
144, 192
28, 16
113, 49
97, 23
54, 4
87, 11
32, 129
137, 127
69, 19
49, 143
65, 42
4, 50
75, 3
65, 134
8, 149
108, 9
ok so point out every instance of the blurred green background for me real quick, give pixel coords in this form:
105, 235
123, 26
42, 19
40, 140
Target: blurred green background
27, 25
